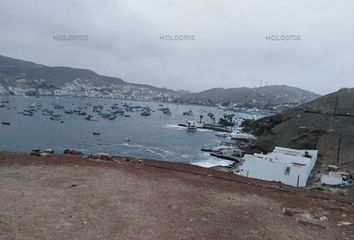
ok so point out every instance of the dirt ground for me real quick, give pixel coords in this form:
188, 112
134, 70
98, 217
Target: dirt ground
71, 197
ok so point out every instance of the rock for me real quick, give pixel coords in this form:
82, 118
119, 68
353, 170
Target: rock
72, 152
50, 151
289, 212
309, 220
102, 156
323, 219
302, 130
34, 153
344, 224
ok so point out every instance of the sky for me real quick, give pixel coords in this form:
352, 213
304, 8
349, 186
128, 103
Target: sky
224, 43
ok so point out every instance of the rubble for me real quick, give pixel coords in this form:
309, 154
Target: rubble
73, 152
102, 156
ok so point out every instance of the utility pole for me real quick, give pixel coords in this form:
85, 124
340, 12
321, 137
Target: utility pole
334, 114
339, 145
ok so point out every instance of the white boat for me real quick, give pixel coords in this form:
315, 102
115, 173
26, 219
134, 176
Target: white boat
242, 136
192, 125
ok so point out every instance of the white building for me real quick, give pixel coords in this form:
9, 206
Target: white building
289, 166
336, 178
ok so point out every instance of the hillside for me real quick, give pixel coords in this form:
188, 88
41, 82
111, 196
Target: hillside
22, 77
249, 97
325, 124
73, 197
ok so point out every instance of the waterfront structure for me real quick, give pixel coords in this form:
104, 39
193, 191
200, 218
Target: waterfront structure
289, 166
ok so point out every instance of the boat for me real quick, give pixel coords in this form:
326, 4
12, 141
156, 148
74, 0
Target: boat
58, 106
112, 117
27, 113
55, 118
47, 112
108, 116
215, 149
242, 136
228, 154
188, 113
167, 112
5, 123
69, 112
192, 125
145, 113
91, 118
96, 133
223, 135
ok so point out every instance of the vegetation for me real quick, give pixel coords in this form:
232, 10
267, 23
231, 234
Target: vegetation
227, 120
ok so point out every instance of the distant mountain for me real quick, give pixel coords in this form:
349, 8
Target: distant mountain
248, 97
26, 78
20, 77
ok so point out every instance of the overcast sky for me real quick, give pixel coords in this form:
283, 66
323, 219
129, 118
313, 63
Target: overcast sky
230, 48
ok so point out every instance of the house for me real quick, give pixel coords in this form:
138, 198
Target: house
289, 166
336, 178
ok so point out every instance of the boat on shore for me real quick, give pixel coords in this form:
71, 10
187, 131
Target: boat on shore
228, 154
223, 135
242, 137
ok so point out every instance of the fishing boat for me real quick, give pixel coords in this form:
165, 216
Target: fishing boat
58, 106
55, 118
96, 133
145, 113
188, 113
69, 112
112, 117
5, 123
167, 111
91, 118
242, 136
192, 125
223, 135
216, 148
228, 154
27, 113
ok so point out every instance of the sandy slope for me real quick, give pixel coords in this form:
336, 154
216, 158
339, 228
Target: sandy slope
69, 197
